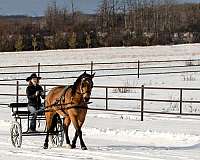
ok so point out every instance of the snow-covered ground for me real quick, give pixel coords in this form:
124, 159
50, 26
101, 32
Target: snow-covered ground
108, 136
115, 135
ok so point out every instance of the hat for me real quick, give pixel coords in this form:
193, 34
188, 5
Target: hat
33, 75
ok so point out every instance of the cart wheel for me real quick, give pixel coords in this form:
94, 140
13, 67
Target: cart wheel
57, 137
16, 134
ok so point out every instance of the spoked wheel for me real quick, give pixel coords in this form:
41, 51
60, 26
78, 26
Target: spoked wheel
57, 136
16, 134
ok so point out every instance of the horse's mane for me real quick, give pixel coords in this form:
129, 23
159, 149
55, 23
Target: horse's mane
78, 81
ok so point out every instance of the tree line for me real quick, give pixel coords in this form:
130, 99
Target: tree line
115, 23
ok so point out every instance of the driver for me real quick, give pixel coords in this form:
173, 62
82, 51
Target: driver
34, 94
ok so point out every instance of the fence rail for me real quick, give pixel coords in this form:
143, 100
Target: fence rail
133, 68
142, 99
130, 68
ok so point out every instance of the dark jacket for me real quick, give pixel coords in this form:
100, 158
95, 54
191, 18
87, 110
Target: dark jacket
34, 100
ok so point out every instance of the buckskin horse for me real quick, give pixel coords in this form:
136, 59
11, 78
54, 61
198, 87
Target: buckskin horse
71, 103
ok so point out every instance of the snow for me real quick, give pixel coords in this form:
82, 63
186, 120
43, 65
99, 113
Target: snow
114, 135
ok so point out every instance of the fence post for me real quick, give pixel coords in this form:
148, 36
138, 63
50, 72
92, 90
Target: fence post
181, 100
106, 98
142, 103
138, 73
44, 93
17, 93
38, 69
91, 69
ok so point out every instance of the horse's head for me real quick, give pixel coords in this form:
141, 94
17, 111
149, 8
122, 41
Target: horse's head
85, 85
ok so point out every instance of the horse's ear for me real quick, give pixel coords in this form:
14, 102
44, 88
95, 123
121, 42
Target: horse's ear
85, 72
93, 75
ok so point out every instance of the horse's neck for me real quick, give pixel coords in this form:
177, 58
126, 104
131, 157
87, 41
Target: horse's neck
77, 95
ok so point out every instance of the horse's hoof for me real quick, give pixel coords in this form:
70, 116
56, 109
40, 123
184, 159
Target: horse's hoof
84, 148
45, 146
73, 146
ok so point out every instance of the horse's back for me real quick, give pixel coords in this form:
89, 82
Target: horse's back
54, 94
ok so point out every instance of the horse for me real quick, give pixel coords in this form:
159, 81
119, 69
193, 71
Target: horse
71, 103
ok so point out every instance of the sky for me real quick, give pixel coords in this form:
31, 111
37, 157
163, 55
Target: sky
38, 7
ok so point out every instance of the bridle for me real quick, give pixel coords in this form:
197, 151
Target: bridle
86, 80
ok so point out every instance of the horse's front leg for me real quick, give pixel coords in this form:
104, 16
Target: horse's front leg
78, 133
74, 140
83, 146
67, 122
80, 122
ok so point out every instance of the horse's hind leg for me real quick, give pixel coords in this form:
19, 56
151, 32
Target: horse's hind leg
67, 122
49, 117
46, 143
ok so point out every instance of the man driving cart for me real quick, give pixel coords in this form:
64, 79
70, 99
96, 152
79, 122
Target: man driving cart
34, 94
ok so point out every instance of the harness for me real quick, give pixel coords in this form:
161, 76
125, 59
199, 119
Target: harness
65, 106
61, 99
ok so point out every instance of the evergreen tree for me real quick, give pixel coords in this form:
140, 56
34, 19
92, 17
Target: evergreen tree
72, 41
34, 43
88, 40
19, 45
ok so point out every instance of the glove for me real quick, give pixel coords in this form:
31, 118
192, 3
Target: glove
42, 93
37, 93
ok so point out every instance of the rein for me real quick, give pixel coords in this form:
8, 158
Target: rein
58, 102
67, 106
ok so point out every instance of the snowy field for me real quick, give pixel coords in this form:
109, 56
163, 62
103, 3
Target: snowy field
116, 135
